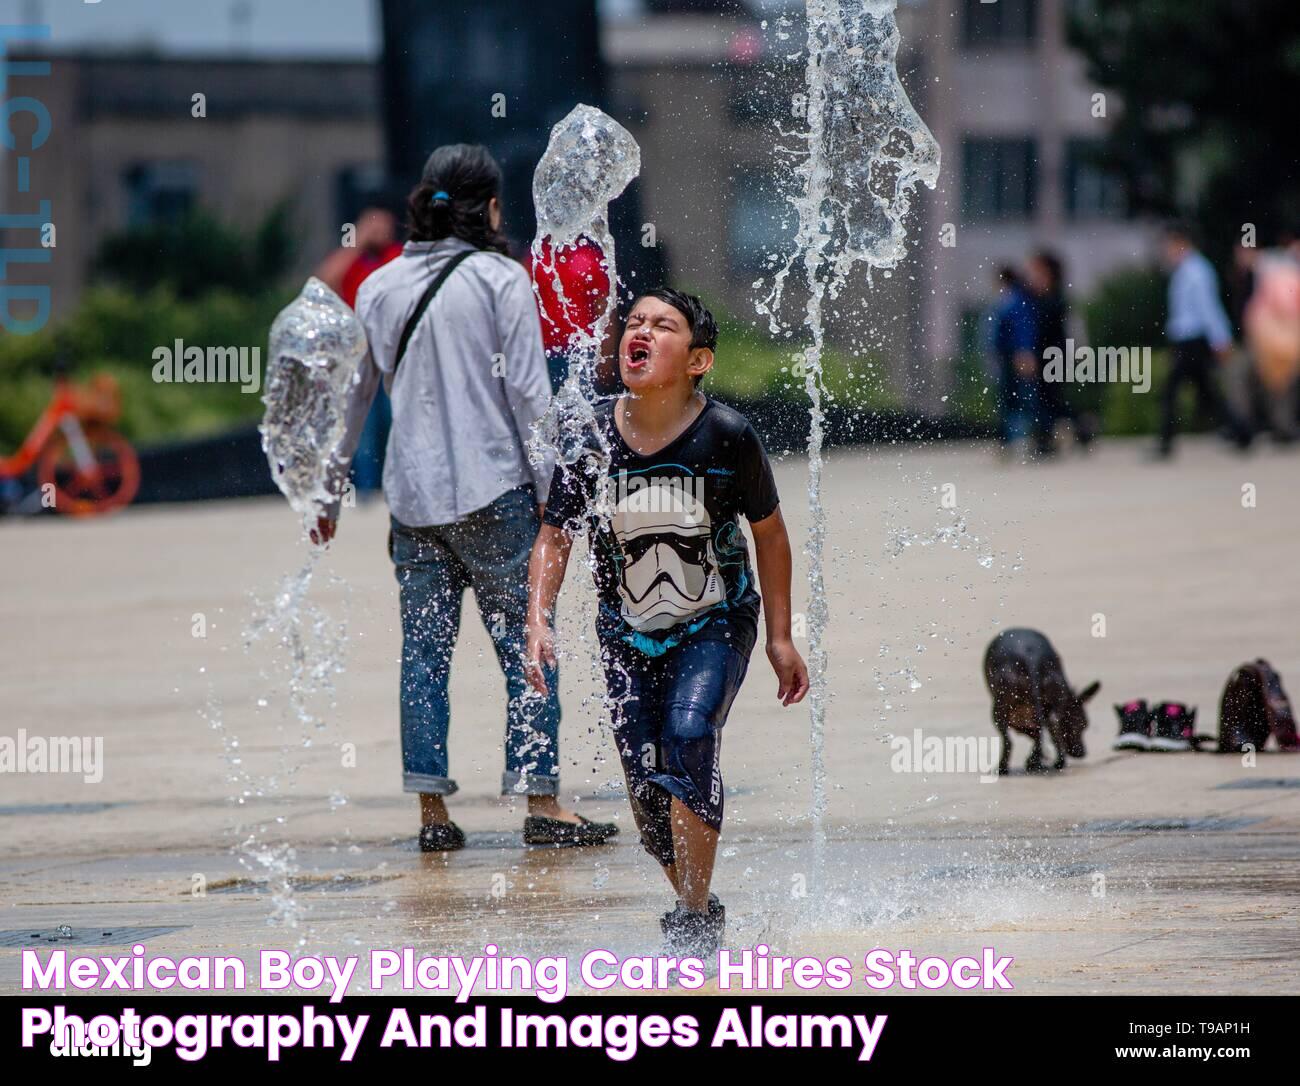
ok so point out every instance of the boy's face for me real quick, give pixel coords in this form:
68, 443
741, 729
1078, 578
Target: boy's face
655, 351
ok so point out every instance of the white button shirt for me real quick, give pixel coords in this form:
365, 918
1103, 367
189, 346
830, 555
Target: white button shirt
471, 385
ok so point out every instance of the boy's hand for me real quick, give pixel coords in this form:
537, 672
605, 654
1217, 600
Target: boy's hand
791, 671
539, 654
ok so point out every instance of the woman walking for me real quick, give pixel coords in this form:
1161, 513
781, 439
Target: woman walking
455, 340
1052, 313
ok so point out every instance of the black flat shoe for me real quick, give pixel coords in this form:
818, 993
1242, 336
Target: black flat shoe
539, 830
441, 837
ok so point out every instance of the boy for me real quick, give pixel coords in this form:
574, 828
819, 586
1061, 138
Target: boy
678, 613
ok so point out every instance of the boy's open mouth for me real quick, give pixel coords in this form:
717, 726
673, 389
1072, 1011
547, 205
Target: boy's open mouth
639, 354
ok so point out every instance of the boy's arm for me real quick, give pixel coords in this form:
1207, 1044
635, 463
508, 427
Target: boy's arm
772, 555
546, 567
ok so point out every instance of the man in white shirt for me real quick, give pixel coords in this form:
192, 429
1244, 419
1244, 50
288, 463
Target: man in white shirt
1199, 336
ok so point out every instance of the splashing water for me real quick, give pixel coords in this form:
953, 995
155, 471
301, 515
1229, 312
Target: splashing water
589, 160
301, 646
316, 344
866, 150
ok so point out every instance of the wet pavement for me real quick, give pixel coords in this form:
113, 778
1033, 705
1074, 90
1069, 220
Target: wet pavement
1125, 873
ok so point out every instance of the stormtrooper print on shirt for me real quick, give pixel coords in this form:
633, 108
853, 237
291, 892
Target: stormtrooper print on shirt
664, 554
671, 561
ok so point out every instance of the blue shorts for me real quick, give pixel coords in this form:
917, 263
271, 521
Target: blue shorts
668, 713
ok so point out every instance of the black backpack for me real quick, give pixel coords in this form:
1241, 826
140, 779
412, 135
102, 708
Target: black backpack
1253, 707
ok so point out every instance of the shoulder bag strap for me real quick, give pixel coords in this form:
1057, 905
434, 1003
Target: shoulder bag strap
423, 304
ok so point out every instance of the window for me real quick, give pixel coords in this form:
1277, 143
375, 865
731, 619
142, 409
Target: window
160, 192
761, 222
1092, 191
998, 178
1000, 22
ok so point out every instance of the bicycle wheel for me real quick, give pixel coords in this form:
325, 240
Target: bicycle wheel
110, 484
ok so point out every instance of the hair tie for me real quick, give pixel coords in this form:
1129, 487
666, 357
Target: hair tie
440, 195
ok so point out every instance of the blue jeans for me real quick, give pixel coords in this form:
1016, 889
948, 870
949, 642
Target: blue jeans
668, 716
488, 552
1017, 404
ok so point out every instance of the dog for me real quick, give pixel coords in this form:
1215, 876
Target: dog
1030, 694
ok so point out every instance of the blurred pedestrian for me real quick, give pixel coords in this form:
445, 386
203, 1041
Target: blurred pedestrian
1200, 336
1013, 336
1241, 286
454, 337
1272, 325
1239, 378
347, 267
376, 245
1046, 279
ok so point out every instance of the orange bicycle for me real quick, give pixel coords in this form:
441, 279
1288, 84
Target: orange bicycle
83, 466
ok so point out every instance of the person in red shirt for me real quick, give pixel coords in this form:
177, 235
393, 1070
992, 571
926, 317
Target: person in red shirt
343, 271
377, 244
584, 280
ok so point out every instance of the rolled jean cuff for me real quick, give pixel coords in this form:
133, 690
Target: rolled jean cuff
533, 784
428, 785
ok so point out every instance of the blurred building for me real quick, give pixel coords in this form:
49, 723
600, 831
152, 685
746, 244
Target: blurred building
1020, 127
704, 85
125, 149
998, 86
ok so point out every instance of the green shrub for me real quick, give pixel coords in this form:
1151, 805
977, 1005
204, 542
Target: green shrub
1125, 412
117, 332
1127, 309
974, 396
752, 364
200, 254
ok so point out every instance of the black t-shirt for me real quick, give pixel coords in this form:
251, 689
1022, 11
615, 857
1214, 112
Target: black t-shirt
671, 562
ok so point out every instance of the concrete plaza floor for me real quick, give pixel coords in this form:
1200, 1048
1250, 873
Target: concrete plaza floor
1127, 873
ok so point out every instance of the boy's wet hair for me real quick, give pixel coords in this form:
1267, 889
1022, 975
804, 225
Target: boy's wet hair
704, 329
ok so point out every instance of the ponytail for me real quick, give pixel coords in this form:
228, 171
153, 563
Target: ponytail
453, 197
